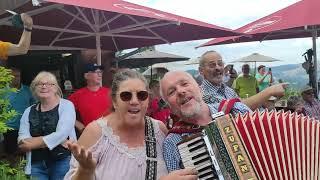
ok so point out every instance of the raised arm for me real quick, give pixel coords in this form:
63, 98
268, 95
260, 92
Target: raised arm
23, 46
257, 100
83, 164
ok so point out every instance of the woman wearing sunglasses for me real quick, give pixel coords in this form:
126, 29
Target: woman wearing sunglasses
125, 145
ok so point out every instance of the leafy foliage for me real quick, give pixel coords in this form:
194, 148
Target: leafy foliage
5, 112
6, 171
9, 173
291, 92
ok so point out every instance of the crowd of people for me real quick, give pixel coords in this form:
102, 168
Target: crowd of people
130, 130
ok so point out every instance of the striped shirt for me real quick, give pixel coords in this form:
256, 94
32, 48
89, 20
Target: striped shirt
213, 95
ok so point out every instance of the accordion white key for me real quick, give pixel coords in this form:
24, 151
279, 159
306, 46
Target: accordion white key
267, 145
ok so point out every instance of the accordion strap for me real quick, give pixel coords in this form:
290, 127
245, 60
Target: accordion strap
226, 105
181, 127
151, 150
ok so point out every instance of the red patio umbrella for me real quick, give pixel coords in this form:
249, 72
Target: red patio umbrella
299, 20
106, 24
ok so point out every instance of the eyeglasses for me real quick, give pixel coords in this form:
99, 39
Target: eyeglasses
127, 96
44, 84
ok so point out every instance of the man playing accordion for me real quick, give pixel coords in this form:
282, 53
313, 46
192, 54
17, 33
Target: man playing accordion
184, 96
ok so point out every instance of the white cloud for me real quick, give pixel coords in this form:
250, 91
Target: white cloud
231, 14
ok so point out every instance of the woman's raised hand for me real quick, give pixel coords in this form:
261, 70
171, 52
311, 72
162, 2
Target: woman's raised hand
84, 157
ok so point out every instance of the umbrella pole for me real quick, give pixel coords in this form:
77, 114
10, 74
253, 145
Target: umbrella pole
314, 47
151, 74
98, 46
255, 68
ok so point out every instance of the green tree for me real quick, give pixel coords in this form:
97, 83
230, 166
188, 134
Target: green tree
6, 171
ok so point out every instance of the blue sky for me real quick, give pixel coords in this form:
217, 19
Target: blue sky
231, 14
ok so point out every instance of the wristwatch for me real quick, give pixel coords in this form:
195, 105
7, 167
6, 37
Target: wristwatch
27, 29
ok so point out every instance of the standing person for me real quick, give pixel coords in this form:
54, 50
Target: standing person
19, 101
114, 147
311, 104
157, 108
230, 74
44, 129
246, 85
93, 101
9, 49
211, 66
264, 78
214, 90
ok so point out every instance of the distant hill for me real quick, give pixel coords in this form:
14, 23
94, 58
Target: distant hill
292, 73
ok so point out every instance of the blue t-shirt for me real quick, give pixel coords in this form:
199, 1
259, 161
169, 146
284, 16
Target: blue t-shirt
19, 101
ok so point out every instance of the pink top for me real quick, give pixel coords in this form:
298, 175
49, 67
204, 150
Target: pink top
118, 162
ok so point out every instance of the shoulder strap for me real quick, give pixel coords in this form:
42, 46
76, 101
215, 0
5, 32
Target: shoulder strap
151, 150
181, 127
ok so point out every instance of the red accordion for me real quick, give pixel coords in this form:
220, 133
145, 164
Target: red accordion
267, 145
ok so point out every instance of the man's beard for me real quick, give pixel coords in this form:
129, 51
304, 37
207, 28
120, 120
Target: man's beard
196, 110
216, 79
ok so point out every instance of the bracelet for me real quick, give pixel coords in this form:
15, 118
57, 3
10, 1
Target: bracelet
27, 29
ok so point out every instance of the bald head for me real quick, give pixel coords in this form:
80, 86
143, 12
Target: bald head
173, 76
182, 93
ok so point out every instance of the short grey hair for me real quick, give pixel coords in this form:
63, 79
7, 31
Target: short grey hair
202, 59
161, 81
48, 76
123, 75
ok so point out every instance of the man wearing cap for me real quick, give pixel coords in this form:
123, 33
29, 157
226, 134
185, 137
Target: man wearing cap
93, 101
311, 104
9, 49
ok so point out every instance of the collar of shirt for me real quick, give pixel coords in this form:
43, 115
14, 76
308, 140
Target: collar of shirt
213, 93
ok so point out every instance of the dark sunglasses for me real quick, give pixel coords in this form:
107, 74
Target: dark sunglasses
127, 96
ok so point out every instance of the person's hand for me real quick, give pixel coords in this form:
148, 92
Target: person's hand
65, 143
24, 145
27, 20
277, 90
183, 174
233, 73
84, 157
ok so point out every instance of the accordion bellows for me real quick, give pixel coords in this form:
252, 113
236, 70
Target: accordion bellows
267, 145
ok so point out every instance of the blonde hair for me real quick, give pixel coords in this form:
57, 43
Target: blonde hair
48, 76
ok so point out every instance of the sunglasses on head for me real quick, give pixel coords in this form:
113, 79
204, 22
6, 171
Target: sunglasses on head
127, 96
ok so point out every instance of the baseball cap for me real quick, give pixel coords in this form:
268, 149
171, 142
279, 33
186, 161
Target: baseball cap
92, 67
306, 88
